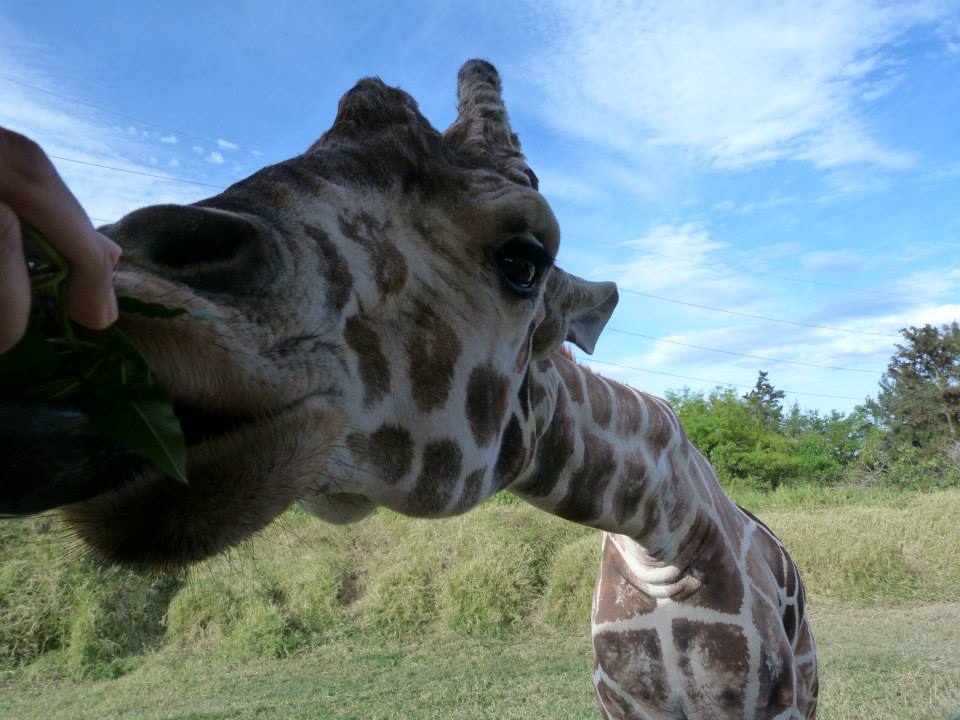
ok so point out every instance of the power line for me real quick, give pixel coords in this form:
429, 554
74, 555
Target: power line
746, 355
103, 109
718, 264
138, 172
713, 263
757, 317
716, 382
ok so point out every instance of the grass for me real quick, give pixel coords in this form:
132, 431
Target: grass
877, 664
483, 615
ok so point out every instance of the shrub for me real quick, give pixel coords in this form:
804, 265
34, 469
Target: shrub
491, 591
571, 582
96, 616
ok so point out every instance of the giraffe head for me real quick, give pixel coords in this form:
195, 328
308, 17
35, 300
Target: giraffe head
376, 307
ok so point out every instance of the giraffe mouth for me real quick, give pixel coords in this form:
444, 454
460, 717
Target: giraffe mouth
200, 425
52, 455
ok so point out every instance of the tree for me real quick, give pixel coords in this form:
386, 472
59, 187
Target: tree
919, 397
765, 401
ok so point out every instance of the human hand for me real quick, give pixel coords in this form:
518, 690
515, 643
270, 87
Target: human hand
31, 190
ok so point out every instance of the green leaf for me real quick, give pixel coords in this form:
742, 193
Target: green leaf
143, 421
102, 371
129, 304
30, 361
62, 388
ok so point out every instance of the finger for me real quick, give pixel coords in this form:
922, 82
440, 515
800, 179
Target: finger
14, 281
30, 184
89, 283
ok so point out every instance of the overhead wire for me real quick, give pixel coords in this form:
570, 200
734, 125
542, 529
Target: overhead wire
757, 317
727, 265
86, 103
713, 382
138, 172
740, 354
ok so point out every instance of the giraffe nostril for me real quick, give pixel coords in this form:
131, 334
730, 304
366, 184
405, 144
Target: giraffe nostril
186, 247
207, 248
183, 237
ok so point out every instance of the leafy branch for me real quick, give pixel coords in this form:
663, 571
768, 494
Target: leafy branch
101, 371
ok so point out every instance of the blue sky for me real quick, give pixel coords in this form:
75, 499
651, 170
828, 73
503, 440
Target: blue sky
794, 160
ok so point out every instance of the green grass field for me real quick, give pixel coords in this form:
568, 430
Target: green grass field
482, 616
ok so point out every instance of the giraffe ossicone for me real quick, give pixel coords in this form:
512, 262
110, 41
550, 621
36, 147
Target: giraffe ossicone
388, 329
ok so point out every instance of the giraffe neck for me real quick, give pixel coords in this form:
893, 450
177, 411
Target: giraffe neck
608, 456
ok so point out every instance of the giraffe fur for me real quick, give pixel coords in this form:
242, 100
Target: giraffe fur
385, 326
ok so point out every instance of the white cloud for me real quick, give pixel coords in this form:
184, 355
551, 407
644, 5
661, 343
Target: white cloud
62, 128
682, 261
737, 83
745, 208
832, 261
226, 144
256, 153
215, 157
173, 162
169, 139
199, 149
568, 187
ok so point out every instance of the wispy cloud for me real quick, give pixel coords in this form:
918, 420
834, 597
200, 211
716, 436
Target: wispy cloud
226, 144
215, 158
832, 261
683, 260
169, 139
65, 130
736, 83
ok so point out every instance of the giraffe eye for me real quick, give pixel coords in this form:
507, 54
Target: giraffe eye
522, 261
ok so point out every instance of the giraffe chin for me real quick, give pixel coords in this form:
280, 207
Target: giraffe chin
339, 508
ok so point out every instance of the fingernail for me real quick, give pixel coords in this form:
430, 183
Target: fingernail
113, 250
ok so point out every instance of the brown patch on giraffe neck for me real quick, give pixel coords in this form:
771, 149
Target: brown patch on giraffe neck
387, 263
512, 455
488, 393
554, 450
472, 489
333, 269
373, 365
629, 419
524, 395
714, 664
570, 375
584, 499
432, 354
713, 564
660, 430
439, 475
389, 450
630, 493
601, 404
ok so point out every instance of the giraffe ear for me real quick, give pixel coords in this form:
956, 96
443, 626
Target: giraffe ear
576, 310
589, 320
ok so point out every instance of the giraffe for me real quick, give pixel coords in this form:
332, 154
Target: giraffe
385, 326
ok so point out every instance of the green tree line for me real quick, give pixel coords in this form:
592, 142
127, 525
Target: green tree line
908, 436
